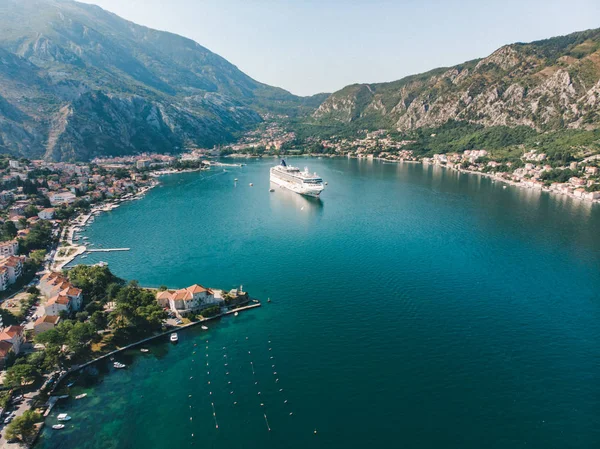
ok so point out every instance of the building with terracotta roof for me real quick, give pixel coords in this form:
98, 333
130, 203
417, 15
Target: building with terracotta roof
45, 323
13, 266
188, 300
57, 304
46, 214
6, 348
4, 282
14, 335
9, 248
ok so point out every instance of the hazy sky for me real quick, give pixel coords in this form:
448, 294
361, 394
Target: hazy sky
310, 46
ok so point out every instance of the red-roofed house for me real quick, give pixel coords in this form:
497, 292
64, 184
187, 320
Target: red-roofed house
45, 323
15, 336
14, 267
6, 348
57, 304
188, 300
75, 296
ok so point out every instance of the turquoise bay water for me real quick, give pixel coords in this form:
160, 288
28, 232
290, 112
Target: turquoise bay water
411, 307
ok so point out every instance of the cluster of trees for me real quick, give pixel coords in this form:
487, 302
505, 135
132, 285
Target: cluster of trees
8, 231
135, 311
39, 237
23, 427
558, 175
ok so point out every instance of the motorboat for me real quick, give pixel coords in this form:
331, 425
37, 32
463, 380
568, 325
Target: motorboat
144, 350
236, 314
63, 417
174, 338
58, 426
204, 328
81, 396
119, 365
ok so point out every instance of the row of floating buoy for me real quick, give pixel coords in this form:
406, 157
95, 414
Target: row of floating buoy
226, 362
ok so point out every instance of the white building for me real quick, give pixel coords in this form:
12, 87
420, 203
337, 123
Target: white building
13, 266
46, 214
9, 248
188, 300
61, 198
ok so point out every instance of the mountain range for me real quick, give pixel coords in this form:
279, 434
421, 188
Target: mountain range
78, 82
546, 85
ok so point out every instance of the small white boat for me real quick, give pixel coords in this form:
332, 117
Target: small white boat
144, 350
118, 365
504, 187
236, 314
174, 338
204, 328
63, 417
58, 426
235, 179
81, 396
251, 184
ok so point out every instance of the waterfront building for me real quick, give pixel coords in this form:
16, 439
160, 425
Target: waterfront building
188, 300
61, 198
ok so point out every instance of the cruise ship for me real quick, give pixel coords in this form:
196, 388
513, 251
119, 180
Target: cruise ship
292, 178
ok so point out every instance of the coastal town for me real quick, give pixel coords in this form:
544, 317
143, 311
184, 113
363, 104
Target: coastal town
578, 178
55, 318
51, 321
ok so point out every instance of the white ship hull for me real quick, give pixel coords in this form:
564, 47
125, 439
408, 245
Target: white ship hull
313, 191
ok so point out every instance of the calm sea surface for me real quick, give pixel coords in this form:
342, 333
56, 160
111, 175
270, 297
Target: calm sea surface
412, 307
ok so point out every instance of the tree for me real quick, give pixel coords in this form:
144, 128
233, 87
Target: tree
99, 320
18, 375
38, 256
9, 229
31, 211
80, 336
95, 282
23, 427
39, 237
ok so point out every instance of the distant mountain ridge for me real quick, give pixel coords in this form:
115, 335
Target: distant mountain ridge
548, 84
77, 81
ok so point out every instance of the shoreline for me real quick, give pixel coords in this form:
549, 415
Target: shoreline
58, 263
254, 304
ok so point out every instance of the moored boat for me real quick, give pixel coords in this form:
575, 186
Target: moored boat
119, 365
204, 328
63, 417
174, 338
81, 396
58, 426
